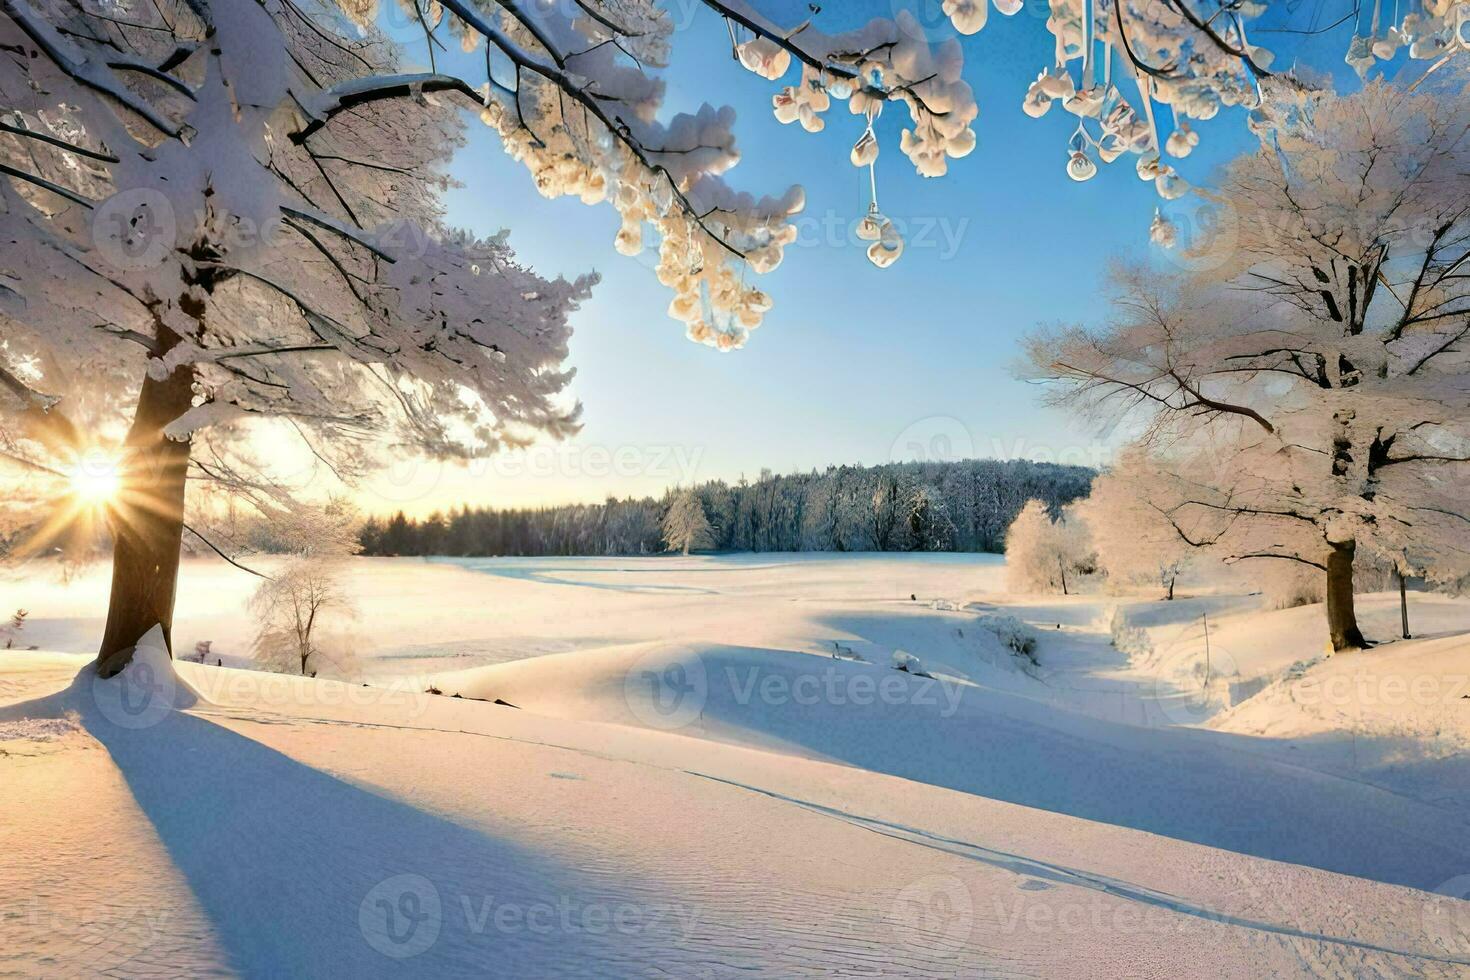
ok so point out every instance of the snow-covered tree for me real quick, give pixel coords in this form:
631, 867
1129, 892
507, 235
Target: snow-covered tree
206, 228
1127, 517
927, 516
298, 603
685, 526
1042, 554
227, 210
1311, 388
295, 606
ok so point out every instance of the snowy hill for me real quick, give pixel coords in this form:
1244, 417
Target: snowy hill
693, 805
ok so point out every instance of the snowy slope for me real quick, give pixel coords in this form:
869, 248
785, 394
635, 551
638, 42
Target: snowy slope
322, 837
692, 785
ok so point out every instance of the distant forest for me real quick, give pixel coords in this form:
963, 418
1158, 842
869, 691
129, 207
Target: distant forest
958, 506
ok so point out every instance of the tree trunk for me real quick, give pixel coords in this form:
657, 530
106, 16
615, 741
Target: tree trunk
1170, 596
1342, 621
1404, 606
147, 523
1062, 566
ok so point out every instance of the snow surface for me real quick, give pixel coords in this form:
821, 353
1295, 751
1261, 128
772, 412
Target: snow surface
691, 784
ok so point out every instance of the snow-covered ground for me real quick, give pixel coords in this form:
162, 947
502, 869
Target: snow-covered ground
690, 783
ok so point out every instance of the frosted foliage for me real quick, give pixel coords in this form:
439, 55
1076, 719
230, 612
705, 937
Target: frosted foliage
251, 215
1127, 517
1308, 389
1042, 555
888, 60
297, 609
1113, 62
1436, 30
574, 92
564, 93
685, 527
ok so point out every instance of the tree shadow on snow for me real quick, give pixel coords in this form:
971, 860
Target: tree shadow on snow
303, 874
1194, 785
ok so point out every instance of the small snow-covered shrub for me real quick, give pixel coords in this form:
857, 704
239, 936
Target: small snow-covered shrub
1011, 632
1128, 638
908, 663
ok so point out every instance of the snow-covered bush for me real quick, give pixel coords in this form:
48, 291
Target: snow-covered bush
1126, 515
1127, 638
908, 663
1011, 632
1046, 555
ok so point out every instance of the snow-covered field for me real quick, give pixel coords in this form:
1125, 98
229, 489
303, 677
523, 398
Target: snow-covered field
690, 783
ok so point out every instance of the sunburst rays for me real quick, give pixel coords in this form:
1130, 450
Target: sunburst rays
88, 492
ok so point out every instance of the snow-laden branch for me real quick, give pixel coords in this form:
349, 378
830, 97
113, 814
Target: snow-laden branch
90, 71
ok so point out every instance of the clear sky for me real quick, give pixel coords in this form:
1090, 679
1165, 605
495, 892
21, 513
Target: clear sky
854, 364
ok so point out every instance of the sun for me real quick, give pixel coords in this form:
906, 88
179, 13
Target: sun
95, 478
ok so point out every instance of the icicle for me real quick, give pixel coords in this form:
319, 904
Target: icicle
887, 244
1145, 90
1087, 42
1080, 166
1246, 47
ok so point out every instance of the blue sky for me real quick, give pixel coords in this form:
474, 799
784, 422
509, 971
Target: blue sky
854, 364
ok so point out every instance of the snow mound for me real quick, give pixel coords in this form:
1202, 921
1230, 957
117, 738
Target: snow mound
145, 692
1189, 784
1011, 632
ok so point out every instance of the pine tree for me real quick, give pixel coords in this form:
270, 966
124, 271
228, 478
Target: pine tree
685, 526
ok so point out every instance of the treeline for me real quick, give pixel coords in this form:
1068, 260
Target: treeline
959, 506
